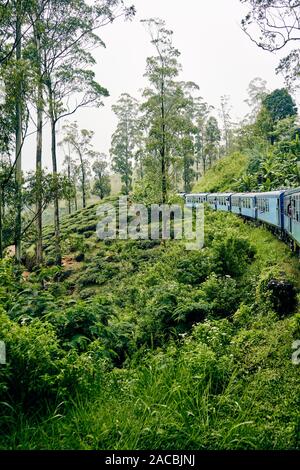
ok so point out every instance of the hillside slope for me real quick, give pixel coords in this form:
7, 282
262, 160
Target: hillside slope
223, 176
150, 346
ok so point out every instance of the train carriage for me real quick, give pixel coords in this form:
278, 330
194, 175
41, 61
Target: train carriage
244, 204
279, 209
269, 206
192, 200
292, 214
220, 201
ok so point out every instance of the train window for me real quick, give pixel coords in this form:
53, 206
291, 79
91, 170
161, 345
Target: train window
287, 206
263, 205
296, 207
246, 203
235, 201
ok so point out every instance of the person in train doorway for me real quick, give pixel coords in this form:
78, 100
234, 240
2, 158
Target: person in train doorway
290, 214
228, 203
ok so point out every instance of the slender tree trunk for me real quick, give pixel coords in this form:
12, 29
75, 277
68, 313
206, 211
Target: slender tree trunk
82, 180
203, 164
75, 198
69, 179
54, 171
39, 146
127, 176
128, 168
163, 146
1, 223
19, 139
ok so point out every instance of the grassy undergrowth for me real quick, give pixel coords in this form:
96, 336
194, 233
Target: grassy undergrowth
224, 175
136, 345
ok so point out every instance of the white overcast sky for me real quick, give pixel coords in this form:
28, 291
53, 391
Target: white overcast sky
215, 54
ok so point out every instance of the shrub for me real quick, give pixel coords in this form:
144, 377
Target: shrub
243, 316
83, 322
79, 257
193, 268
87, 293
9, 287
216, 334
222, 295
171, 308
89, 233
231, 255
148, 244
87, 228
38, 369
206, 367
277, 289
33, 360
74, 243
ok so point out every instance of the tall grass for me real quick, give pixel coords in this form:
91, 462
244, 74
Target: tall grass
223, 175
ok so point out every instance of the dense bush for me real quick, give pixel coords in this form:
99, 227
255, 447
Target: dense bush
278, 290
82, 323
231, 254
192, 268
10, 285
221, 294
37, 368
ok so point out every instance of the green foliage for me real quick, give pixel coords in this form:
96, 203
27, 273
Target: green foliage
155, 345
221, 294
83, 322
9, 285
223, 175
218, 390
231, 255
275, 288
192, 269
213, 137
102, 186
168, 121
126, 139
37, 369
280, 105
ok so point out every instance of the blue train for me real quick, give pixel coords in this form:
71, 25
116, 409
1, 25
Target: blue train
278, 209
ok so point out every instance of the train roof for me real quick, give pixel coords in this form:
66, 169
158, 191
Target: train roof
197, 194
292, 191
257, 194
270, 193
220, 194
244, 194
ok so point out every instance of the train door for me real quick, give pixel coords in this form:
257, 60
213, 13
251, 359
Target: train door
228, 203
255, 207
293, 217
290, 214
